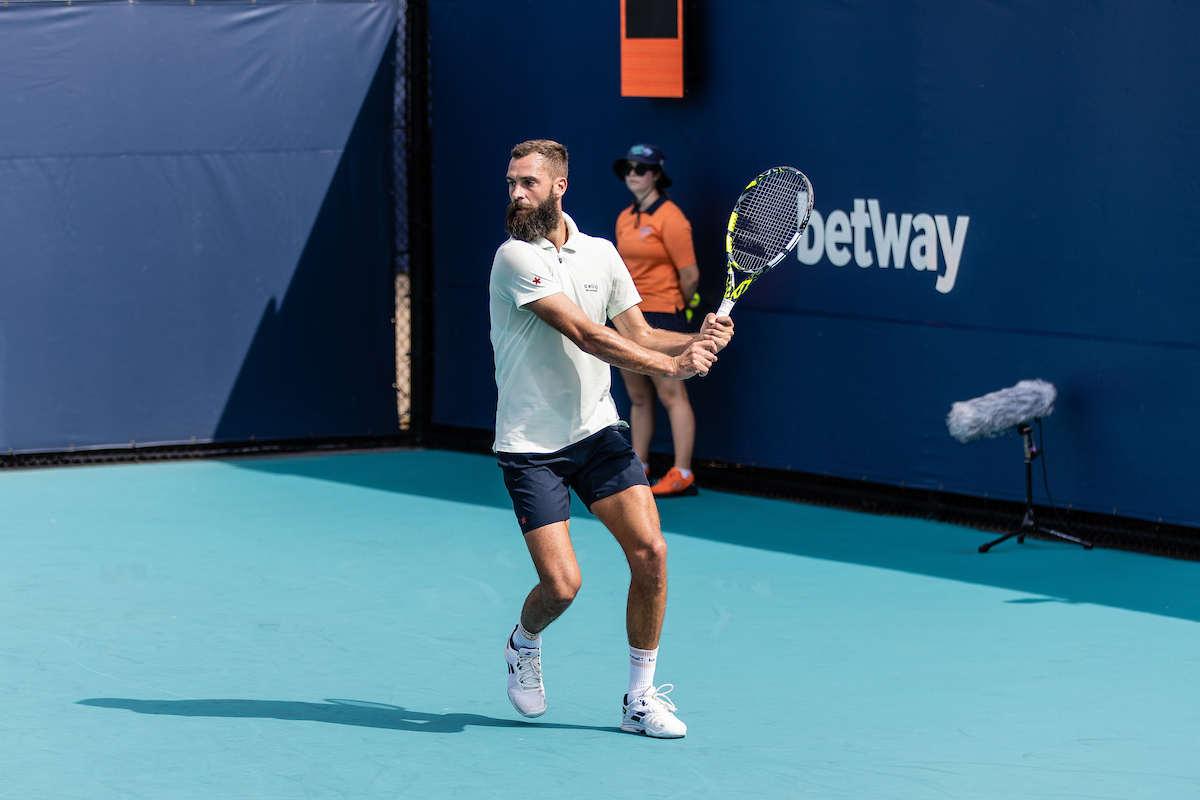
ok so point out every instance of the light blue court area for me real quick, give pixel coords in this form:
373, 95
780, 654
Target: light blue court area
332, 628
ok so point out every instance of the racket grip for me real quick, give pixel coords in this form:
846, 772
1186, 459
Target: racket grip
726, 307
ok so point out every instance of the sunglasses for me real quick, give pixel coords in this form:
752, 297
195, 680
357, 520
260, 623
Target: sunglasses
637, 169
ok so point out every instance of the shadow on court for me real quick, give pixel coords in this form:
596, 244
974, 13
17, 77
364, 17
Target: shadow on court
336, 712
1057, 572
437, 474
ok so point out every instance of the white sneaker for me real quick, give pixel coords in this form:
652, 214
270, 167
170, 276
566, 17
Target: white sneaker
651, 714
525, 688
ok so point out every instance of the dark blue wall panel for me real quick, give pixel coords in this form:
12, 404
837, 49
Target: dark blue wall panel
1065, 134
194, 222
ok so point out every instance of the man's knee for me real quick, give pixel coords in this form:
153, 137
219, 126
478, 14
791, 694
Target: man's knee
648, 561
559, 593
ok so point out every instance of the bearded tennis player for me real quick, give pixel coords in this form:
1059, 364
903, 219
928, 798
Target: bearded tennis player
557, 428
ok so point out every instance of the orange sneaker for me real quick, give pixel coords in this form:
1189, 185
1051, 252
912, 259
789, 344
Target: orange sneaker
673, 484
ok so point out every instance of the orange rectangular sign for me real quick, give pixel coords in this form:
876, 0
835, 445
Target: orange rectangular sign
652, 48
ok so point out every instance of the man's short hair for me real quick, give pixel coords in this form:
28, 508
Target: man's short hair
554, 153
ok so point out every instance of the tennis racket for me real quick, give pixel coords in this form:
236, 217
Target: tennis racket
766, 223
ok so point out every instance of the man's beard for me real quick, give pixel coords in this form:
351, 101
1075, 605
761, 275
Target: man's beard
538, 223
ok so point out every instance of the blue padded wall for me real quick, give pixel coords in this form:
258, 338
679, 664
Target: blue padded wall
194, 222
1058, 142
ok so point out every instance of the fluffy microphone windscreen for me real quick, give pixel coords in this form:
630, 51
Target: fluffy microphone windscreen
994, 413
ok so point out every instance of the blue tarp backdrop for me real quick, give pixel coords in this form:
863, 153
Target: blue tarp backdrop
194, 222
1005, 191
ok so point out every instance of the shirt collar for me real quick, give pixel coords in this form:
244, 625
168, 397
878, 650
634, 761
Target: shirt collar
572, 234
655, 206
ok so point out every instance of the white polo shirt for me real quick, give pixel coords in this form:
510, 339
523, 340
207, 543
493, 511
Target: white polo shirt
552, 394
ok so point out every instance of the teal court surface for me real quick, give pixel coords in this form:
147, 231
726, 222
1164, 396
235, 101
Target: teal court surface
332, 627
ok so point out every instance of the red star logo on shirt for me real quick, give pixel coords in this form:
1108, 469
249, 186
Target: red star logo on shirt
537, 281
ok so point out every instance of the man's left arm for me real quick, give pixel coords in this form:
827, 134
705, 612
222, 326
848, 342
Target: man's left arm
629, 322
633, 326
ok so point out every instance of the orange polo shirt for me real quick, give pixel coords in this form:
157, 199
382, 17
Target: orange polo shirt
655, 244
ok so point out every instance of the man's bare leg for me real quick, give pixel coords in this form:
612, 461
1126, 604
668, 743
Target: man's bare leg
558, 575
632, 517
559, 581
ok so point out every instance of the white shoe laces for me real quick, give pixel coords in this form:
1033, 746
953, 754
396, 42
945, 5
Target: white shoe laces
529, 671
659, 697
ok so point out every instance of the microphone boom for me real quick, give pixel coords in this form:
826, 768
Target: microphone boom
993, 414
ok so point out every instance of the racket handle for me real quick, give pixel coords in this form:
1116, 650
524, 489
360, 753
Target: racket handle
726, 307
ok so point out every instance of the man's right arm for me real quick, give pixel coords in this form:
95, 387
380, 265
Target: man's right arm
604, 343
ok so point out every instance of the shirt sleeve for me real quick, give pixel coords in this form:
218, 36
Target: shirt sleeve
677, 238
520, 275
623, 295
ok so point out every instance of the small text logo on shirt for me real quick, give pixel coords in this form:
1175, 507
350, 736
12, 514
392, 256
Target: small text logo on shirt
591, 287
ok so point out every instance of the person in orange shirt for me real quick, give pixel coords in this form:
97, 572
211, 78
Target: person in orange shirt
655, 240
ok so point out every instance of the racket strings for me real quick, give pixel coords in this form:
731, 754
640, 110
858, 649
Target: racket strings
767, 220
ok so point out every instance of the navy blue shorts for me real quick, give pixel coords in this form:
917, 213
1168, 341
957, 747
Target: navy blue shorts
676, 321
597, 467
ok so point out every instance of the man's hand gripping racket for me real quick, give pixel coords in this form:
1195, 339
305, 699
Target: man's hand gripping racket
766, 223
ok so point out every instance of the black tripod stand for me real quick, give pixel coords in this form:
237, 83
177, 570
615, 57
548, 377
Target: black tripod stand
1030, 524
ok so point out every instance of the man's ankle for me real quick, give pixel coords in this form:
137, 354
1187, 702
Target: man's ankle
523, 638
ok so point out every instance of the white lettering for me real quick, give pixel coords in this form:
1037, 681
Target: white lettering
898, 238
889, 239
812, 253
837, 233
923, 250
952, 247
859, 221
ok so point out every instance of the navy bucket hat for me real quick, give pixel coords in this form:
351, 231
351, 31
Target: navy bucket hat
643, 154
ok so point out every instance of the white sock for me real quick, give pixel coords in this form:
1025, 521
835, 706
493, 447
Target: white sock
641, 670
686, 473
523, 638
